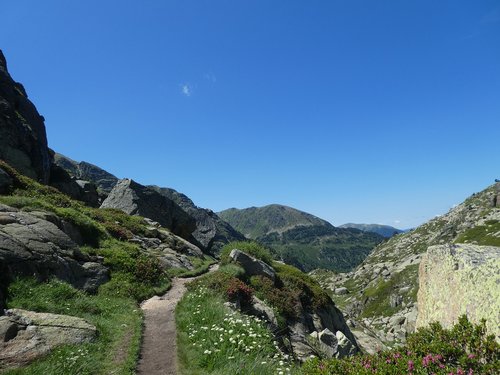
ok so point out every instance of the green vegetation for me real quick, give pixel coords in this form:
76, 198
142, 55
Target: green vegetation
301, 239
117, 318
379, 294
462, 350
486, 235
214, 340
252, 248
201, 266
327, 247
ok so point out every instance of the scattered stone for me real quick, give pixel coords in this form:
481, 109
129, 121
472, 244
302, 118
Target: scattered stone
345, 347
341, 291
328, 342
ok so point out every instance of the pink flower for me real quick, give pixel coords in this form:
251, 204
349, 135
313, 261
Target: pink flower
411, 365
470, 356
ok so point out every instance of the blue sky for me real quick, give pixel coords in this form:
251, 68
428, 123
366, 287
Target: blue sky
360, 111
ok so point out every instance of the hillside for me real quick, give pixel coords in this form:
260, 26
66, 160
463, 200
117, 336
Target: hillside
384, 230
302, 239
255, 222
382, 291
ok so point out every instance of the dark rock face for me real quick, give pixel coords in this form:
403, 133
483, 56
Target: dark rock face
104, 181
33, 246
136, 199
211, 231
77, 189
23, 141
5, 181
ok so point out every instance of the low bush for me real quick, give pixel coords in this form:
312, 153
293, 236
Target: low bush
465, 349
310, 292
228, 286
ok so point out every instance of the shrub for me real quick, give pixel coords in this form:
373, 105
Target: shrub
310, 292
233, 270
462, 350
229, 286
285, 301
252, 248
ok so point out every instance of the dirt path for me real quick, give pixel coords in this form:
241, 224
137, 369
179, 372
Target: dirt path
159, 341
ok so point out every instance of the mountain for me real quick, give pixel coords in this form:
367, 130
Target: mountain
255, 222
302, 239
382, 291
384, 230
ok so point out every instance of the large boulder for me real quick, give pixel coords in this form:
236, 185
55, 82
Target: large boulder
33, 246
251, 265
23, 140
211, 232
460, 279
136, 199
26, 336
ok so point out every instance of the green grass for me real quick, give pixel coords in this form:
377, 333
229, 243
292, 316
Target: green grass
215, 340
482, 234
201, 266
379, 294
252, 248
118, 320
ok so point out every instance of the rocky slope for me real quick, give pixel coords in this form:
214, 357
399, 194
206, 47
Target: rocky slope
384, 230
301, 239
23, 142
104, 180
381, 293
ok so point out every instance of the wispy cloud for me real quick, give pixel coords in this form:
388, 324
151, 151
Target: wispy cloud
186, 89
397, 221
210, 77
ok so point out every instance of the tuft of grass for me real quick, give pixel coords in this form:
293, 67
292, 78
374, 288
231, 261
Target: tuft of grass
215, 340
118, 320
201, 266
252, 248
485, 235
379, 294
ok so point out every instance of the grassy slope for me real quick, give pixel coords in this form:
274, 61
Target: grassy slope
135, 275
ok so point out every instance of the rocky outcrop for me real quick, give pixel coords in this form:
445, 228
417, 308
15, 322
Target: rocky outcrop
104, 180
23, 140
211, 231
136, 199
80, 190
26, 336
251, 265
460, 279
33, 246
172, 251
